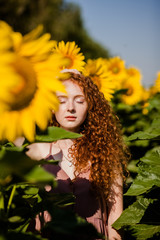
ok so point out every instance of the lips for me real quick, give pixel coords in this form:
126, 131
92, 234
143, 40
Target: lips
70, 118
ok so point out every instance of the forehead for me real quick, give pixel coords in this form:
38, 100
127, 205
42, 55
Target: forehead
72, 88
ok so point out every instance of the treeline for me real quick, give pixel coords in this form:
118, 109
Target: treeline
62, 20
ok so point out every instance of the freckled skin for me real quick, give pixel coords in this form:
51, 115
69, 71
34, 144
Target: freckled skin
73, 107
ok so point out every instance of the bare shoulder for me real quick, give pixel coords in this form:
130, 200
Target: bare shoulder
38, 151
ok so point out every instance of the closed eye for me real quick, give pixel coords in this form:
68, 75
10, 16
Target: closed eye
80, 100
62, 99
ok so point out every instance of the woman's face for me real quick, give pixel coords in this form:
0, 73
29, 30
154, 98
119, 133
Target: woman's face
73, 107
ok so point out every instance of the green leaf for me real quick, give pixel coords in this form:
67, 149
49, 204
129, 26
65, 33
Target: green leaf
14, 163
141, 185
156, 123
144, 136
15, 219
144, 231
133, 213
151, 133
154, 102
31, 190
152, 158
132, 166
38, 174
124, 107
15, 149
148, 176
17, 163
54, 134
48, 161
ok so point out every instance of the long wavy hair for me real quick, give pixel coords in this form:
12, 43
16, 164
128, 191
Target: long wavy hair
102, 143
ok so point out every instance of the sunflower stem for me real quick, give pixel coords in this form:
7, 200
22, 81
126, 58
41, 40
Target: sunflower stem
1, 200
11, 198
26, 145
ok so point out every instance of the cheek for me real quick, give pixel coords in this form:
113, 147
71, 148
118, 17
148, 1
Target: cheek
60, 109
58, 114
83, 112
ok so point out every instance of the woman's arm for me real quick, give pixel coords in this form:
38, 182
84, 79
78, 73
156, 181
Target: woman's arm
115, 207
36, 151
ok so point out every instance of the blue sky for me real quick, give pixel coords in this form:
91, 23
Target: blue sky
129, 29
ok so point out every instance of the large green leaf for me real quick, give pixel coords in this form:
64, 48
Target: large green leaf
144, 136
148, 176
144, 231
14, 162
152, 158
38, 174
17, 163
133, 213
151, 133
55, 133
141, 185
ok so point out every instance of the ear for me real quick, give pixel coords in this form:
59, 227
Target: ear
53, 111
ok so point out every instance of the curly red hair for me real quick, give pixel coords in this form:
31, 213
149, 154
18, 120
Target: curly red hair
102, 142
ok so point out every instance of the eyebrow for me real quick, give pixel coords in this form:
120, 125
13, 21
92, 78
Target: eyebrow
61, 95
65, 96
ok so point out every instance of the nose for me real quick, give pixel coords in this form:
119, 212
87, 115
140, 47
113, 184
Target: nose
71, 107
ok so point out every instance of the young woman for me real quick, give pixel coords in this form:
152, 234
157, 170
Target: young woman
92, 166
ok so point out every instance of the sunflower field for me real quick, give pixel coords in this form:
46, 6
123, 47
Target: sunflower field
30, 69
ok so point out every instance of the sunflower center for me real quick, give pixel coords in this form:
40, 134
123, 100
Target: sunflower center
115, 69
24, 92
129, 91
68, 62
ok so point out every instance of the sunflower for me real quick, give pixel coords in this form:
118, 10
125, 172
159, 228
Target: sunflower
156, 87
30, 75
145, 108
116, 66
133, 94
157, 82
134, 73
71, 55
97, 71
145, 94
132, 82
145, 97
152, 90
134, 88
30, 45
6, 57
